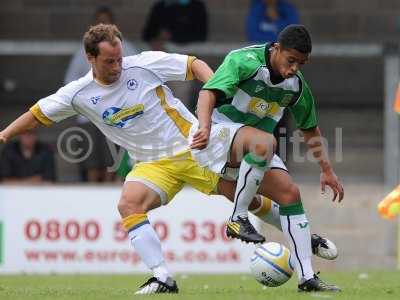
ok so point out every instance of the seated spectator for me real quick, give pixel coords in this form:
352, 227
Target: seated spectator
178, 21
267, 18
94, 168
27, 161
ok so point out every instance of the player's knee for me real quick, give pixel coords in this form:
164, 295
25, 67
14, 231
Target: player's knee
266, 146
129, 205
261, 150
291, 194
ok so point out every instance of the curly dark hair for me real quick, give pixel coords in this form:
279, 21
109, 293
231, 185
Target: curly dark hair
99, 33
295, 37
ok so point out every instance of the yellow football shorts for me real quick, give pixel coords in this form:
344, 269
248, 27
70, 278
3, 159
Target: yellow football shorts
167, 176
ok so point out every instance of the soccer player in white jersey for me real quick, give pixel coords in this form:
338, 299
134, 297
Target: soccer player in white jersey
127, 100
253, 87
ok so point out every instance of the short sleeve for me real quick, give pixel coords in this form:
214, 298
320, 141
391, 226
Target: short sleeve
304, 111
167, 67
56, 107
229, 74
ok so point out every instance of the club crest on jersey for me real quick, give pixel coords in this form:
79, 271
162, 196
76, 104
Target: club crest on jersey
95, 99
132, 84
118, 117
286, 100
262, 108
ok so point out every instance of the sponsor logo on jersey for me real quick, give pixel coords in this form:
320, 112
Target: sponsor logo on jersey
118, 117
132, 84
262, 108
95, 99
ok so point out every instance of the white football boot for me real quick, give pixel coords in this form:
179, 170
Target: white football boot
323, 247
155, 286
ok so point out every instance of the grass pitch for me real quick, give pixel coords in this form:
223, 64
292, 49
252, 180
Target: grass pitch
356, 285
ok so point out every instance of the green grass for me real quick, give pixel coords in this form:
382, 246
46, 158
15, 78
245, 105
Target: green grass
356, 285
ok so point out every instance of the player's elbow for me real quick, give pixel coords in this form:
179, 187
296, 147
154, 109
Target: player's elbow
201, 70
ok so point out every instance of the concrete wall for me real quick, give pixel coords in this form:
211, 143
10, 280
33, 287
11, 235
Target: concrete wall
334, 81
359, 20
327, 19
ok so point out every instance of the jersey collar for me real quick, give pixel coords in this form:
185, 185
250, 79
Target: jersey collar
274, 77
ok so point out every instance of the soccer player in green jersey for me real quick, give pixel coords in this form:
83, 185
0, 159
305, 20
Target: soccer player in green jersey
253, 87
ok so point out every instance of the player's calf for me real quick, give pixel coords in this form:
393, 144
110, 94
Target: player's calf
135, 201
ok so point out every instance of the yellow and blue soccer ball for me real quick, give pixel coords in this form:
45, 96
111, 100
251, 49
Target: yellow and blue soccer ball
270, 264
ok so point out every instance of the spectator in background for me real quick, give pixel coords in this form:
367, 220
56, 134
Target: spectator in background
267, 18
94, 168
27, 160
79, 65
178, 21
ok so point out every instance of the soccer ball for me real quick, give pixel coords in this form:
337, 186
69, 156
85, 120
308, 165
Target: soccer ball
270, 264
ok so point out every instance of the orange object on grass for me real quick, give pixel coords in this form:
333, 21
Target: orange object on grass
389, 207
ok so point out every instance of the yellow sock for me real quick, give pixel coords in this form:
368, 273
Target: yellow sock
134, 221
264, 208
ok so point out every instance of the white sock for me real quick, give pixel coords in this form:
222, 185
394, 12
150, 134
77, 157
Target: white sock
251, 173
148, 245
161, 272
268, 212
297, 231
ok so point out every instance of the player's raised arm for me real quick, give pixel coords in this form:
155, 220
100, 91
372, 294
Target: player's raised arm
25, 122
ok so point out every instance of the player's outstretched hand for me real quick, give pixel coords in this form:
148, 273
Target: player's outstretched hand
329, 178
200, 138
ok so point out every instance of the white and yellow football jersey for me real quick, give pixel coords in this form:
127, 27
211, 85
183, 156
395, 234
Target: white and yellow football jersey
137, 112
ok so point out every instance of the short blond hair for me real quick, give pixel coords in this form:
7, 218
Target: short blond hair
100, 33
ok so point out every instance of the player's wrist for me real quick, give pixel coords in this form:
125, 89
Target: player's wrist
326, 167
205, 126
327, 171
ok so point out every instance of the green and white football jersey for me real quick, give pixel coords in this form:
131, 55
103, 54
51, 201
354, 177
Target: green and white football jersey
250, 96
